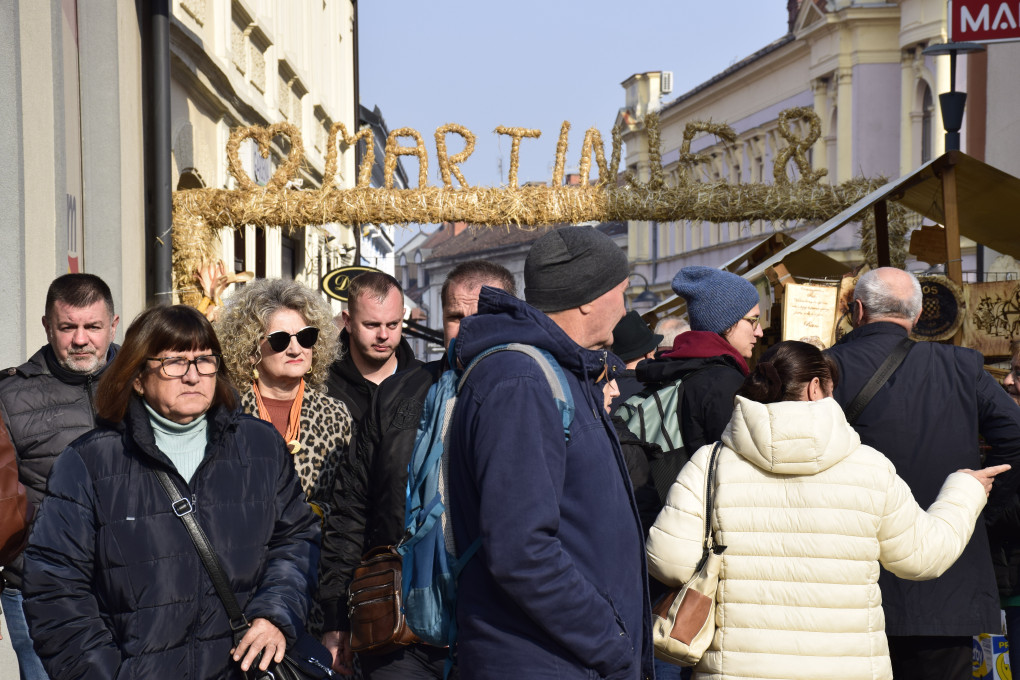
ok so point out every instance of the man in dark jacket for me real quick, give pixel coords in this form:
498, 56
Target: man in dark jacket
369, 493
558, 586
927, 419
711, 358
372, 341
46, 404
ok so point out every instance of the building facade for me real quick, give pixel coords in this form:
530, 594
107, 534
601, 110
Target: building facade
858, 64
72, 187
259, 62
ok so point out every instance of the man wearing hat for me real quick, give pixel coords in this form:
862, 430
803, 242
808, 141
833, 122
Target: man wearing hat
633, 342
711, 358
557, 588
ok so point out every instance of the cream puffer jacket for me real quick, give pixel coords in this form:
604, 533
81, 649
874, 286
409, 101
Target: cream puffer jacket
807, 513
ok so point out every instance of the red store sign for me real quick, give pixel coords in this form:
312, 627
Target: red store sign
984, 20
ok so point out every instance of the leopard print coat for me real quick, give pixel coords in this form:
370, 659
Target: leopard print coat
325, 434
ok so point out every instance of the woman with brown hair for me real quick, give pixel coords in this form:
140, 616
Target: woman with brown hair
805, 514
114, 586
282, 342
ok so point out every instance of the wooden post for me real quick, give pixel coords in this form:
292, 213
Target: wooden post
954, 265
954, 262
882, 234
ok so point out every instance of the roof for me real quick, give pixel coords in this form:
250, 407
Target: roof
723, 75
987, 202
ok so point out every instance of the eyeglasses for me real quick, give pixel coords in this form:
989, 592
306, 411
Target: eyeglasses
178, 367
755, 321
306, 337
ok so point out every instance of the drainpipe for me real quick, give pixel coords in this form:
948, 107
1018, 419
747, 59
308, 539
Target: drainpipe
159, 52
357, 123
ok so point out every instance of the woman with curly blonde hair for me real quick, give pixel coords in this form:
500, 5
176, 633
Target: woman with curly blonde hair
278, 343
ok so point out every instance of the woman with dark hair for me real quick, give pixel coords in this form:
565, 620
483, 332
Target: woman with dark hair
806, 515
114, 587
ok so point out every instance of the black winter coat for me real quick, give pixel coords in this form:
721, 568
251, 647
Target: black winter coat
926, 420
45, 408
346, 383
114, 587
371, 483
709, 387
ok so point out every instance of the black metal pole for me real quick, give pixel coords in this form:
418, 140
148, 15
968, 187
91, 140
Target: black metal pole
161, 163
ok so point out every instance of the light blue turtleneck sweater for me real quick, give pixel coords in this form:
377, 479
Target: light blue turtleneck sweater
184, 445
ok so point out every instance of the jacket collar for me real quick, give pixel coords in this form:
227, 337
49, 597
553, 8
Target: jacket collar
348, 371
704, 344
503, 318
136, 428
872, 329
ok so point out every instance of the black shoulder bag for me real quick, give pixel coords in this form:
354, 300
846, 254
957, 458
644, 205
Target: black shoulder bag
307, 659
882, 375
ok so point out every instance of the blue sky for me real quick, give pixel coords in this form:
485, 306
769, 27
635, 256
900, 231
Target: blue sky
533, 64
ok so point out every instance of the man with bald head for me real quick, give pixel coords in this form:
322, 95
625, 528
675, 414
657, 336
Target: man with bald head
927, 418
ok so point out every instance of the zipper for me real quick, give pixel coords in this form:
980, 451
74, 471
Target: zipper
88, 393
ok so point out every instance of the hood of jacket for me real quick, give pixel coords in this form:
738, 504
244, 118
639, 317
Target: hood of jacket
790, 437
704, 344
503, 318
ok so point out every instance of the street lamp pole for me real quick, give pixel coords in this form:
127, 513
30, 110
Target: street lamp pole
952, 103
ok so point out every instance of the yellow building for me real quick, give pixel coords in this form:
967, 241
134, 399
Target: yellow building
859, 65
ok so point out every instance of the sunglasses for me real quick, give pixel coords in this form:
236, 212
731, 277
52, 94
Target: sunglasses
306, 337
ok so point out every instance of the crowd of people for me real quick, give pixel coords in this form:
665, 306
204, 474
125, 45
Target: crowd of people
865, 496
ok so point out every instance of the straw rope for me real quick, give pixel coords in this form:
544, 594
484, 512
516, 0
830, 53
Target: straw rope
199, 214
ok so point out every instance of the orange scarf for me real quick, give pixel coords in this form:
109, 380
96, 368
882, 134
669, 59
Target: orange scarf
293, 421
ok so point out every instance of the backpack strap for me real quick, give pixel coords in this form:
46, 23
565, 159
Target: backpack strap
882, 375
550, 369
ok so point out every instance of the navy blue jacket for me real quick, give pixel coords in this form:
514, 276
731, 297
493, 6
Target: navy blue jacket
558, 588
113, 585
926, 420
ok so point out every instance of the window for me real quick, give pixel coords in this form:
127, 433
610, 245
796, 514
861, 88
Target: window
927, 121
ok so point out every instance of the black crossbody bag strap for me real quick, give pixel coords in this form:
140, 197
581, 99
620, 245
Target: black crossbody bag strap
182, 508
882, 375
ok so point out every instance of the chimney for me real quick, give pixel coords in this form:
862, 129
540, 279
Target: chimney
792, 7
459, 227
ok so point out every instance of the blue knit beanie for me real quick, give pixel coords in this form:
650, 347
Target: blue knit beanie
716, 299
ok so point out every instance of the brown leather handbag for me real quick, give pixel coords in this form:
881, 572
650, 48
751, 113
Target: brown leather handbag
13, 502
374, 604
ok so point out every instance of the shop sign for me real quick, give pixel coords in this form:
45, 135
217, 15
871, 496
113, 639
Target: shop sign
337, 282
984, 20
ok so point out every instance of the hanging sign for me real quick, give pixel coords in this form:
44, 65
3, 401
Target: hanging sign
984, 20
337, 282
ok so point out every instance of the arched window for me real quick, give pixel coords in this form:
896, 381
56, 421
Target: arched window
927, 124
405, 275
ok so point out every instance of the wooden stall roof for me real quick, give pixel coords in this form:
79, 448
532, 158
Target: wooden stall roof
988, 203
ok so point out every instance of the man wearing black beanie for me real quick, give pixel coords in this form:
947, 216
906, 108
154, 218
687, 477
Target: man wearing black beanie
558, 586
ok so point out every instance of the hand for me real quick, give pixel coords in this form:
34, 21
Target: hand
338, 642
987, 475
263, 637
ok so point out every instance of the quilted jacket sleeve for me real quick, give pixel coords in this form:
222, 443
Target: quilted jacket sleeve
919, 545
290, 576
343, 539
63, 614
674, 544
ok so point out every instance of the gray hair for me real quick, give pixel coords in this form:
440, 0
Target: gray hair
879, 301
669, 328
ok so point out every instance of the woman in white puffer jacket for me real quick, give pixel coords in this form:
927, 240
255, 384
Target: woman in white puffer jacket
806, 513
